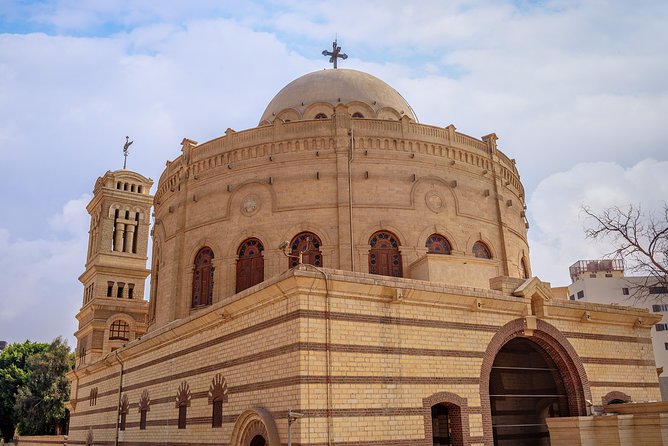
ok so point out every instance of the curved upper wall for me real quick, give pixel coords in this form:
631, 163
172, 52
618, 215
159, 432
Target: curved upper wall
379, 195
333, 87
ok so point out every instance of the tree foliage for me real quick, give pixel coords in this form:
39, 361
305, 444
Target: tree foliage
14, 374
33, 388
639, 238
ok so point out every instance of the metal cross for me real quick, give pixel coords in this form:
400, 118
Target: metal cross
126, 147
335, 54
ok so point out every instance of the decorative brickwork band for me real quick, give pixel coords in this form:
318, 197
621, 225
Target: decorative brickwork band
252, 423
458, 415
555, 344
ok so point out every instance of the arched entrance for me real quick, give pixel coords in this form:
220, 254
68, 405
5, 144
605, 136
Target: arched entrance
525, 388
530, 372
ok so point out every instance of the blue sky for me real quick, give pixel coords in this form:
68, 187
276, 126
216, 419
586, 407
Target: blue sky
575, 90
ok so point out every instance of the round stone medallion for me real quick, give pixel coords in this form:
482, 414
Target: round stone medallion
250, 205
435, 201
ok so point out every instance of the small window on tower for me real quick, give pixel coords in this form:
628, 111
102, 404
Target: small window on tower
131, 290
110, 288
119, 292
119, 330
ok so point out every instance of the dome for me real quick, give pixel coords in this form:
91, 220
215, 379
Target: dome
337, 86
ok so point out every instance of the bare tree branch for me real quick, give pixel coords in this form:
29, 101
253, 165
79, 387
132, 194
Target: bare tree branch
639, 238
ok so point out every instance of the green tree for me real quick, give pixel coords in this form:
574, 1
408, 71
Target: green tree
40, 403
14, 374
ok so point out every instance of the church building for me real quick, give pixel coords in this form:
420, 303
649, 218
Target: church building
341, 274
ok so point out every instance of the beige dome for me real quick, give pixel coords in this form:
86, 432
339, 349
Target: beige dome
337, 86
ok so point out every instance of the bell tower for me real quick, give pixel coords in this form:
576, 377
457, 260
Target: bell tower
114, 311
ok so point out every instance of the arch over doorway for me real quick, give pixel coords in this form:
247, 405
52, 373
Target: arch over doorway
448, 413
547, 344
255, 427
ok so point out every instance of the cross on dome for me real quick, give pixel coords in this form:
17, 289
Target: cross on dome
335, 54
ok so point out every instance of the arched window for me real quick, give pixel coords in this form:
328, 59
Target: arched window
119, 330
524, 269
481, 251
437, 244
321, 116
308, 244
384, 256
358, 115
92, 398
250, 265
124, 409
203, 278
217, 396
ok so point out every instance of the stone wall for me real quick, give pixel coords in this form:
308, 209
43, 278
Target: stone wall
362, 357
342, 180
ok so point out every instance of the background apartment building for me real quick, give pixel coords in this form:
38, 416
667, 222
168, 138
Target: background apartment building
604, 281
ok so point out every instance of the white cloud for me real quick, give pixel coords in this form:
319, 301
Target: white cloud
40, 293
557, 236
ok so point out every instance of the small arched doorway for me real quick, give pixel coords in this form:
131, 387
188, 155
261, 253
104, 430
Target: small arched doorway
440, 425
525, 387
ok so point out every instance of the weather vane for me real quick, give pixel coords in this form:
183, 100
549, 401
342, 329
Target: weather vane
335, 53
126, 148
